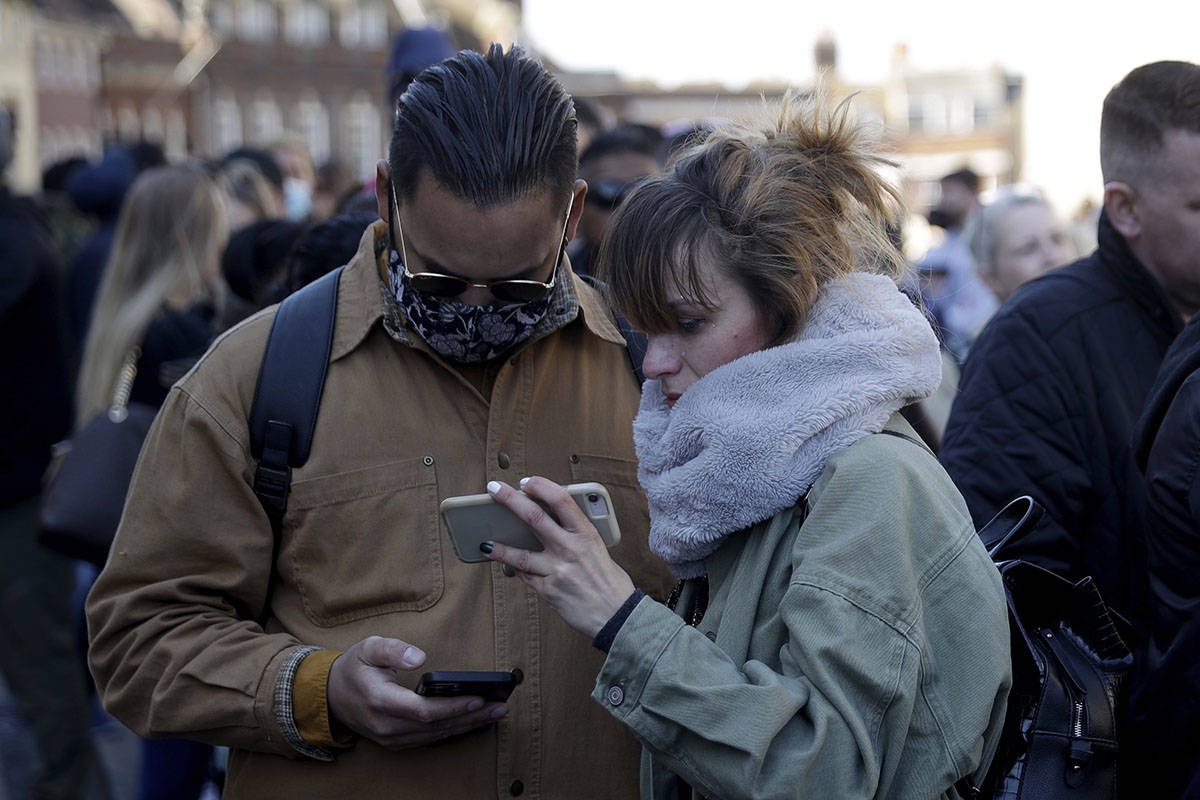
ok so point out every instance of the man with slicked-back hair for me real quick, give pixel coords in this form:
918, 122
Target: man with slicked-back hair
464, 350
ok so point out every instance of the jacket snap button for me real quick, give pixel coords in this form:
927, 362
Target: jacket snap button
712, 636
616, 695
516, 788
518, 675
427, 461
574, 458
503, 460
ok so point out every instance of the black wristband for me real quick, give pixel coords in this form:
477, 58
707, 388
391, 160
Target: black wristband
604, 638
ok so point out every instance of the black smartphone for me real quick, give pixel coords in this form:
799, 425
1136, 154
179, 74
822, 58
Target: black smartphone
492, 686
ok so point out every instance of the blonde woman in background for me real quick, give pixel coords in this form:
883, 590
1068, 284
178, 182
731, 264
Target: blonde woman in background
156, 302
838, 630
158, 287
1015, 238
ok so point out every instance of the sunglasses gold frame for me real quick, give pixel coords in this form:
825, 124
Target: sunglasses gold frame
460, 285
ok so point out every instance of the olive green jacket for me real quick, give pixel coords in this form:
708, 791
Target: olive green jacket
859, 652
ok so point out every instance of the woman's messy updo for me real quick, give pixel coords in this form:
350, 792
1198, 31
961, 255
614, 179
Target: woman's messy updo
784, 210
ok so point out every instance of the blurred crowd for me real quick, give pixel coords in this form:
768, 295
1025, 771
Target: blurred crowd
130, 254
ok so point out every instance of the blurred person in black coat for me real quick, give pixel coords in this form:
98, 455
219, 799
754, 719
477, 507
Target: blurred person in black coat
1167, 447
38, 656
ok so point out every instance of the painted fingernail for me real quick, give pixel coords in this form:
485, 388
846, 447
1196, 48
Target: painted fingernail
499, 712
486, 547
474, 705
492, 487
523, 482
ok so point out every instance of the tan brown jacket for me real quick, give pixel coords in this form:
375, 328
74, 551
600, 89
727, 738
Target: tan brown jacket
176, 646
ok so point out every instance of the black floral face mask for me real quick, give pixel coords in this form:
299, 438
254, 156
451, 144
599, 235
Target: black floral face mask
462, 332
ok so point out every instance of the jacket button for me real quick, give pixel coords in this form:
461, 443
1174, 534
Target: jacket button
427, 461
516, 788
712, 636
574, 458
616, 695
503, 460
518, 675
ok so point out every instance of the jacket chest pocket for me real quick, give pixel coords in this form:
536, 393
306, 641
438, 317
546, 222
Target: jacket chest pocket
365, 542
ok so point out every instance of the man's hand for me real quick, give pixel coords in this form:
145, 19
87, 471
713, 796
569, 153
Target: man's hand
364, 696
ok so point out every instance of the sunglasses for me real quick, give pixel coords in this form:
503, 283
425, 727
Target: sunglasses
512, 290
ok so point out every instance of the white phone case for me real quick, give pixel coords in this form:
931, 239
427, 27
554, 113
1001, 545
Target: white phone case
472, 519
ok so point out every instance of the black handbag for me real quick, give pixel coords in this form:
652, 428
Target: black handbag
1069, 668
85, 486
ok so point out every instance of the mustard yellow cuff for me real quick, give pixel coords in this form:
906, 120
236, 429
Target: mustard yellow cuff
310, 704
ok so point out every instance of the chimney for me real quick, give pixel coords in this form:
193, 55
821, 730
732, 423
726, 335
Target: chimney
825, 53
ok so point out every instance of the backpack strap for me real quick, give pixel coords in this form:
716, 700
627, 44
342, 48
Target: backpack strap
288, 394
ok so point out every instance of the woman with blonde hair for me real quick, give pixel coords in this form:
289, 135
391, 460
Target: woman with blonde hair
838, 630
155, 315
1015, 238
157, 289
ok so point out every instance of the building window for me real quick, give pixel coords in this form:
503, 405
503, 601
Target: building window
363, 140
307, 23
364, 25
153, 129
962, 114
222, 18
983, 115
934, 113
916, 114
312, 123
92, 68
129, 125
78, 67
45, 65
175, 143
107, 123
60, 66
227, 124
266, 120
256, 20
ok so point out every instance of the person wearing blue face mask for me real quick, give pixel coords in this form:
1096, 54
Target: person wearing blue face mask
465, 350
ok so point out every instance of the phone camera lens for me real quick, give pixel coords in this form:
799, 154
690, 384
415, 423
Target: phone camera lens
593, 498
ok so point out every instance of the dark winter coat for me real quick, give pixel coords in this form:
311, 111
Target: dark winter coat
1046, 406
1167, 445
35, 400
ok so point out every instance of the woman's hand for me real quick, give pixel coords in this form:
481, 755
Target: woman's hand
574, 573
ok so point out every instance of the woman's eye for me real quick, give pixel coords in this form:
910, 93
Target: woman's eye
690, 324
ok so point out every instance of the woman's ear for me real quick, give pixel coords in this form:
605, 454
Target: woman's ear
1120, 203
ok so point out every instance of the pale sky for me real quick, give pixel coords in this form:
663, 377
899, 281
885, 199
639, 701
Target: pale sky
1069, 53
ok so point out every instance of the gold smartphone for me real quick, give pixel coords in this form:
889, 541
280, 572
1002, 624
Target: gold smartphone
472, 519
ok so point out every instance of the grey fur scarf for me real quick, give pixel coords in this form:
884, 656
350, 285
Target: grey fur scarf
748, 439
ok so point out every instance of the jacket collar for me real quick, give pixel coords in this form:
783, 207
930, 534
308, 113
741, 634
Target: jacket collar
361, 305
1134, 279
